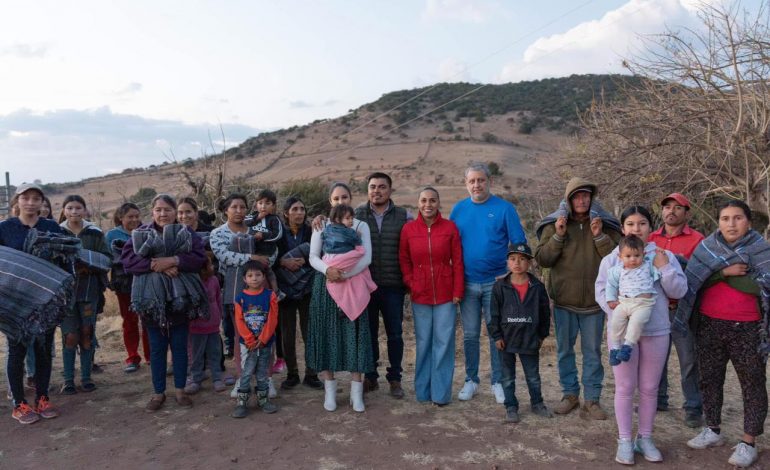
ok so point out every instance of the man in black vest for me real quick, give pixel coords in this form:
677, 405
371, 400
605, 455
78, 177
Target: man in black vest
385, 221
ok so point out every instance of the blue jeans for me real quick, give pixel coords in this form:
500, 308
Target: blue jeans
208, 346
390, 302
255, 362
161, 339
477, 301
434, 332
531, 365
591, 327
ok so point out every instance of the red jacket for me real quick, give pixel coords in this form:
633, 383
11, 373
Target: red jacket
431, 261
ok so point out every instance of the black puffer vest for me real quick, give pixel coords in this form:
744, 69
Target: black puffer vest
385, 269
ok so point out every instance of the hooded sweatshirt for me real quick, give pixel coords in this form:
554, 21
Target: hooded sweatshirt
573, 260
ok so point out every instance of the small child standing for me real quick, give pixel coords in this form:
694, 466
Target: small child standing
342, 249
630, 294
256, 316
520, 321
205, 341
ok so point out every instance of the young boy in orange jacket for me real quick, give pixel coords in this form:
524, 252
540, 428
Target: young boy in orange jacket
256, 317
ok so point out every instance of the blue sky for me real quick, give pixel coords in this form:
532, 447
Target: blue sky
92, 87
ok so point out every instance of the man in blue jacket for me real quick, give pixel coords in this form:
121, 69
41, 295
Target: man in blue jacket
487, 224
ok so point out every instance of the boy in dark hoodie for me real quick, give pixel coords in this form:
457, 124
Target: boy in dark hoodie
520, 321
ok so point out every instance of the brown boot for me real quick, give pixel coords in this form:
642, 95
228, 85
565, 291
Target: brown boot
395, 389
566, 405
370, 385
592, 410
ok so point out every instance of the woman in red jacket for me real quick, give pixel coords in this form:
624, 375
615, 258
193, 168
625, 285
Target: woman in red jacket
431, 260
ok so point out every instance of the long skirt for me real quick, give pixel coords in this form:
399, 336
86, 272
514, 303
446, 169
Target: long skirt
334, 342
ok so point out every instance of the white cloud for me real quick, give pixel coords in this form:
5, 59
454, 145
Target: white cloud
598, 46
468, 11
453, 70
25, 51
130, 89
75, 144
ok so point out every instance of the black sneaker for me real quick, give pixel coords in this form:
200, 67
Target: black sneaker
313, 382
69, 388
292, 380
512, 415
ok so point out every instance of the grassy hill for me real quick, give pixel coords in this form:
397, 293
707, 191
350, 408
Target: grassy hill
420, 136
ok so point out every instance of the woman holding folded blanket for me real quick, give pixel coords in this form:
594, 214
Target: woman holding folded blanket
90, 282
336, 343
295, 278
127, 217
13, 232
726, 308
165, 258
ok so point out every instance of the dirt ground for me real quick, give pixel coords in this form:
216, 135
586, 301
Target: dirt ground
110, 429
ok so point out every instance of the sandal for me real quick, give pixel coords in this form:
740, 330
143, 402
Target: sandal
155, 403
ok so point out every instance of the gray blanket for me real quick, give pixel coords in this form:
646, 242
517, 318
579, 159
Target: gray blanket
296, 284
714, 254
56, 248
608, 220
153, 293
35, 294
239, 243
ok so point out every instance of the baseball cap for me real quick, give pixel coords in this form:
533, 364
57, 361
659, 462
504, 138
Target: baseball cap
521, 248
23, 188
678, 197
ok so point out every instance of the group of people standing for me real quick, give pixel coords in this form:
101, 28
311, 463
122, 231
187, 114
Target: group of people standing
339, 275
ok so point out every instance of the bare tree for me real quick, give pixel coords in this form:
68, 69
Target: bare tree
696, 122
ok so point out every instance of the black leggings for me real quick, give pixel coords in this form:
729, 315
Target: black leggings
720, 341
15, 366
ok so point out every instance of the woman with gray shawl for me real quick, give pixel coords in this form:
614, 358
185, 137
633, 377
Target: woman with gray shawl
726, 308
165, 258
230, 244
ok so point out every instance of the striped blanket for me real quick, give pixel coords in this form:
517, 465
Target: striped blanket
153, 293
239, 243
35, 294
714, 254
56, 248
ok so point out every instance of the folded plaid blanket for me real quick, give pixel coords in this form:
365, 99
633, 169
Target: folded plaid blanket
239, 243
296, 284
35, 294
714, 254
153, 293
56, 248
120, 280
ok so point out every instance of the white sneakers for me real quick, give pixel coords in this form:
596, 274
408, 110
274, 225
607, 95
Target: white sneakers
468, 390
743, 456
646, 447
625, 453
497, 389
706, 438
